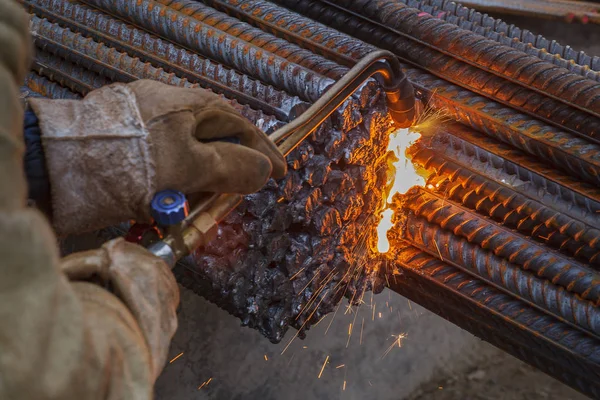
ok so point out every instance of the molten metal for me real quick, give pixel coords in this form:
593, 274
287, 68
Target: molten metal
402, 175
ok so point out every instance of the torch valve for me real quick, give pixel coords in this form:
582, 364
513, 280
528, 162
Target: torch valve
169, 207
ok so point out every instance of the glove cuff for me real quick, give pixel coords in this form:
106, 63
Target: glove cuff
99, 160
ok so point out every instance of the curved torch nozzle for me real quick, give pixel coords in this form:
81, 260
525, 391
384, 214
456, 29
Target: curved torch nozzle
400, 95
199, 227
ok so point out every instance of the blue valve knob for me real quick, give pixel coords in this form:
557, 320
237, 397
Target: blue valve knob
169, 207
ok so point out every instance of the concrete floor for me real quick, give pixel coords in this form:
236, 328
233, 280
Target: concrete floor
437, 360
244, 365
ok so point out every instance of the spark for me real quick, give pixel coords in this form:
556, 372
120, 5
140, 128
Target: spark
379, 315
308, 284
296, 274
397, 341
349, 334
266, 358
344, 386
326, 281
205, 383
340, 303
353, 324
176, 357
323, 367
386, 276
291, 358
334, 313
340, 366
362, 327
319, 321
438, 249
374, 306
305, 322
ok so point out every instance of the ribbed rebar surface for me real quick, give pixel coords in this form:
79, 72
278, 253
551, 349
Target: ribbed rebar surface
504, 240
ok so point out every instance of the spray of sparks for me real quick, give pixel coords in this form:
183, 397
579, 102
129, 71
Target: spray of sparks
402, 175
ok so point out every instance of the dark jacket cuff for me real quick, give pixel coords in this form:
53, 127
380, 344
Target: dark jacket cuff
35, 165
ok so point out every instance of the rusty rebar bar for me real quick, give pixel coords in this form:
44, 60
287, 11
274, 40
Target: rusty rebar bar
507, 244
46, 88
257, 37
542, 293
67, 74
509, 126
551, 185
513, 203
118, 66
497, 121
102, 28
542, 90
296, 28
510, 35
488, 55
218, 45
582, 11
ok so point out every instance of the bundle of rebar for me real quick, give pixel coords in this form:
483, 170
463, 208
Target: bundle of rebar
503, 240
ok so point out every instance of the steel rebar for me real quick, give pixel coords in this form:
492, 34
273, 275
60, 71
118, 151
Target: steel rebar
501, 197
46, 88
506, 244
553, 186
580, 158
510, 35
218, 45
92, 23
537, 88
257, 37
500, 272
117, 66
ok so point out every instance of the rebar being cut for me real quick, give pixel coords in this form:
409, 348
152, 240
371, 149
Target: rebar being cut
503, 240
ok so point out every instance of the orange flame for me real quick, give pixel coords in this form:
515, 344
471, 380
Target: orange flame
402, 175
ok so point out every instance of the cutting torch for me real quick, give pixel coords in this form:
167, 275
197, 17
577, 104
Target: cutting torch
188, 227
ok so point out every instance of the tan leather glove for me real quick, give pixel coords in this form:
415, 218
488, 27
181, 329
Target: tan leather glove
109, 153
142, 281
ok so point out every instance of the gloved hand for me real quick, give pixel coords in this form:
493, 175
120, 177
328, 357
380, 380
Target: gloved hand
109, 153
142, 281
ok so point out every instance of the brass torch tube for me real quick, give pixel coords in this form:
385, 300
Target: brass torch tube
401, 104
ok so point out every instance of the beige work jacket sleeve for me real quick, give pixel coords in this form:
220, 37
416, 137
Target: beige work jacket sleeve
61, 339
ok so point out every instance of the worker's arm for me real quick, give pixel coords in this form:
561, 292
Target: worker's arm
97, 324
61, 339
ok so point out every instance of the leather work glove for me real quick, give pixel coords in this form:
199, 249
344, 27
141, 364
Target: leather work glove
142, 281
108, 154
